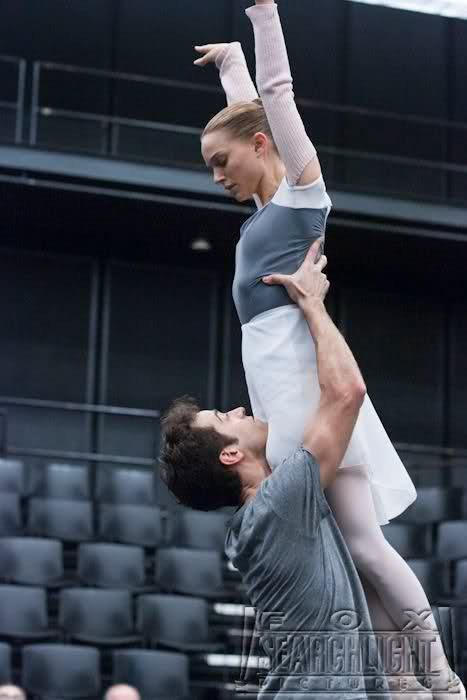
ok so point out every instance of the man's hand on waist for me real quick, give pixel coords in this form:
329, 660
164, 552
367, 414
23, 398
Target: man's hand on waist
307, 286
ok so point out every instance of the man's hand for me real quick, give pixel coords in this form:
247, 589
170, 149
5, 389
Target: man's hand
210, 53
308, 282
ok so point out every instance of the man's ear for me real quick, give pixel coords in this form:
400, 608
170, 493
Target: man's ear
230, 456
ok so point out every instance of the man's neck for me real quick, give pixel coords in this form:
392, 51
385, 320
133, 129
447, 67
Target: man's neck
252, 482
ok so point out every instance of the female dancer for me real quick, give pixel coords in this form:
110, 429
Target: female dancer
259, 148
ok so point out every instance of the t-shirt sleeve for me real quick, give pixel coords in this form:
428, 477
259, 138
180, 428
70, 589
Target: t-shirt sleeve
294, 492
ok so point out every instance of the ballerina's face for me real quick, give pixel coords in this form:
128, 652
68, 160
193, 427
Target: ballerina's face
238, 165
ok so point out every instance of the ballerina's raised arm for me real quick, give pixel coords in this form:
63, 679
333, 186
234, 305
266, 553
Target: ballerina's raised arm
275, 86
234, 74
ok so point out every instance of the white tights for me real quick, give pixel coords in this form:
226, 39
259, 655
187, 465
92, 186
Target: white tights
390, 585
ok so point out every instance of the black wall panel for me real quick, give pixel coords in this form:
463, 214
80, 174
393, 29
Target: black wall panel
313, 35
340, 52
157, 39
458, 375
458, 66
397, 60
45, 310
45, 304
161, 335
161, 344
234, 388
51, 30
398, 341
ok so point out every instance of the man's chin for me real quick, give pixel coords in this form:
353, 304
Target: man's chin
261, 423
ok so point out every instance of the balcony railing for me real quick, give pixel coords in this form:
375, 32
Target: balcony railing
105, 113
12, 82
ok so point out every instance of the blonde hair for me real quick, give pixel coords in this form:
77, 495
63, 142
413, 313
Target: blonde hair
243, 120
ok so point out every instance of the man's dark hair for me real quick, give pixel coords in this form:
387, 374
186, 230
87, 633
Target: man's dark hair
189, 460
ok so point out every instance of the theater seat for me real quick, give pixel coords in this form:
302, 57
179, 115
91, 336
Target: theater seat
179, 623
196, 530
460, 580
432, 505
130, 524
31, 561
5, 663
132, 486
61, 671
190, 572
434, 577
459, 625
155, 674
97, 617
69, 482
70, 521
12, 476
444, 616
410, 541
452, 540
112, 566
23, 614
10, 515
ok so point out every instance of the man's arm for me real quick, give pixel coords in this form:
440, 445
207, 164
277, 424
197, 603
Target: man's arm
329, 429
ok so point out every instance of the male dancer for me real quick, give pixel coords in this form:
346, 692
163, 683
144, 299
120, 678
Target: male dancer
283, 538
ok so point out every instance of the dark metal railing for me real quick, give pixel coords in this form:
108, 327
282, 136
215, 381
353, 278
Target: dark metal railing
67, 406
445, 453
17, 105
178, 145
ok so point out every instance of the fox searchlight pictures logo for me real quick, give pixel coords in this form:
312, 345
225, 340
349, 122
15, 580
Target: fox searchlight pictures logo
343, 657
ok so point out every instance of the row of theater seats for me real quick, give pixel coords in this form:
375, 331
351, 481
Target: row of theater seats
112, 484
82, 521
152, 577
428, 470
65, 671
109, 618
41, 562
136, 486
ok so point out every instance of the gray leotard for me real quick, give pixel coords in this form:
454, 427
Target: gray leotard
274, 239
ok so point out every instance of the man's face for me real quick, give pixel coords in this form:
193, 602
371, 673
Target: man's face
250, 432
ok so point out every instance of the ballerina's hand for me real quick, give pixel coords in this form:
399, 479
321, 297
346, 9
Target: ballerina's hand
210, 53
308, 281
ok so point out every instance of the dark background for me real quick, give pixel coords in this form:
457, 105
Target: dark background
103, 301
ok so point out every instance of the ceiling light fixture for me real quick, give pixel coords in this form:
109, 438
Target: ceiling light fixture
200, 244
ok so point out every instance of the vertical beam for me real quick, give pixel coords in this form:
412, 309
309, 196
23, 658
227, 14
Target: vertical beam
93, 349
450, 101
226, 354
100, 379
213, 341
343, 38
108, 137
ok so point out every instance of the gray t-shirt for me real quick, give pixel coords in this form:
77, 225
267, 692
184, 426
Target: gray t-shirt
303, 584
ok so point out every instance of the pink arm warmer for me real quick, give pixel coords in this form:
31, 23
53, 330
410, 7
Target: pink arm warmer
274, 81
234, 74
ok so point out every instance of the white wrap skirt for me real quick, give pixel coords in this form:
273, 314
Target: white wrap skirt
279, 360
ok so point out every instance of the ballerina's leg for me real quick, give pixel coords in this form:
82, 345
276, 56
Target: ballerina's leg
397, 587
